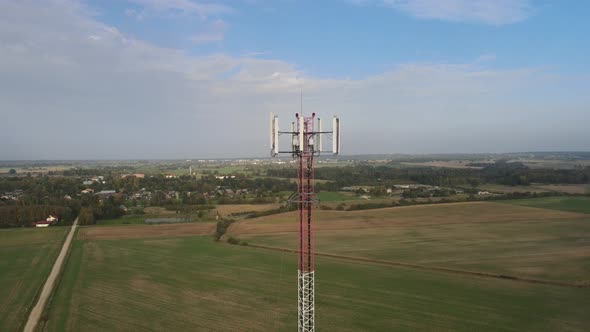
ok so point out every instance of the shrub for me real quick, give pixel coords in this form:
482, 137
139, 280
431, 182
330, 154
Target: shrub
221, 228
233, 240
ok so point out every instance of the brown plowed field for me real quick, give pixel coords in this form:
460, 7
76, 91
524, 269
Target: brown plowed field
145, 231
417, 215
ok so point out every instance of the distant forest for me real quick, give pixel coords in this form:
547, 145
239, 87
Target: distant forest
501, 172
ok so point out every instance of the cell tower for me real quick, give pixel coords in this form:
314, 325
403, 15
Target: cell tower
306, 144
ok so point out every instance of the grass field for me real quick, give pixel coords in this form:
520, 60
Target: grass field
499, 188
26, 257
563, 188
580, 204
482, 236
567, 188
193, 283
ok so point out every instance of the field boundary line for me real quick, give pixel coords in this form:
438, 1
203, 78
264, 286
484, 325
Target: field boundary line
35, 314
434, 268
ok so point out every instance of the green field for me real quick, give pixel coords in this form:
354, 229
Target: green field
580, 204
26, 257
193, 283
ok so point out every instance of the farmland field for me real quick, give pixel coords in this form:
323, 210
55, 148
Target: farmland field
483, 236
499, 188
145, 231
193, 283
579, 204
567, 188
26, 257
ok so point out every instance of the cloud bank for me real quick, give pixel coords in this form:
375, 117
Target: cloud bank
72, 87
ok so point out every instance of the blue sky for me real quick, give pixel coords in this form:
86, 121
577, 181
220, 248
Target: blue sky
357, 39
197, 79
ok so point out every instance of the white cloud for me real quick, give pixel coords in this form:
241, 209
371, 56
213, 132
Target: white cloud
212, 33
72, 87
494, 12
172, 7
485, 58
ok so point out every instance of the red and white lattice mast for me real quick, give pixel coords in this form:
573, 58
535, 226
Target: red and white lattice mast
306, 144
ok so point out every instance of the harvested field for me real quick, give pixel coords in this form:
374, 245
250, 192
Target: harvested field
423, 215
26, 257
203, 285
145, 231
481, 236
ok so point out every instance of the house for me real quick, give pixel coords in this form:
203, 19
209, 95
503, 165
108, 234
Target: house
52, 219
483, 193
87, 191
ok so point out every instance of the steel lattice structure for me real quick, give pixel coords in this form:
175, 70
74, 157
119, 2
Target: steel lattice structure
303, 137
305, 201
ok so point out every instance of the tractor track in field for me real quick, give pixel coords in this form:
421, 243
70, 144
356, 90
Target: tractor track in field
436, 269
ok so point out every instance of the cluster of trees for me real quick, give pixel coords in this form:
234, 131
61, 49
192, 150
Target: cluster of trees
426, 193
45, 190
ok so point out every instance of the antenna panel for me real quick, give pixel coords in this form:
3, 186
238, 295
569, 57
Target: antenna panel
301, 129
271, 125
274, 134
336, 135
319, 135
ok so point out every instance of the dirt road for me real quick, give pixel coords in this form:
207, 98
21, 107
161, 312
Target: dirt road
38, 308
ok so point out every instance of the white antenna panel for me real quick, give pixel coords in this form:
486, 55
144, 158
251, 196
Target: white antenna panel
301, 129
319, 143
271, 124
293, 137
336, 135
274, 134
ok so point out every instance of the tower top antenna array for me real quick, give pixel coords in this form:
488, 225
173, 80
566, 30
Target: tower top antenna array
305, 145
298, 133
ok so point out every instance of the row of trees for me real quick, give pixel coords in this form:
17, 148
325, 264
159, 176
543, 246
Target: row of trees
500, 173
